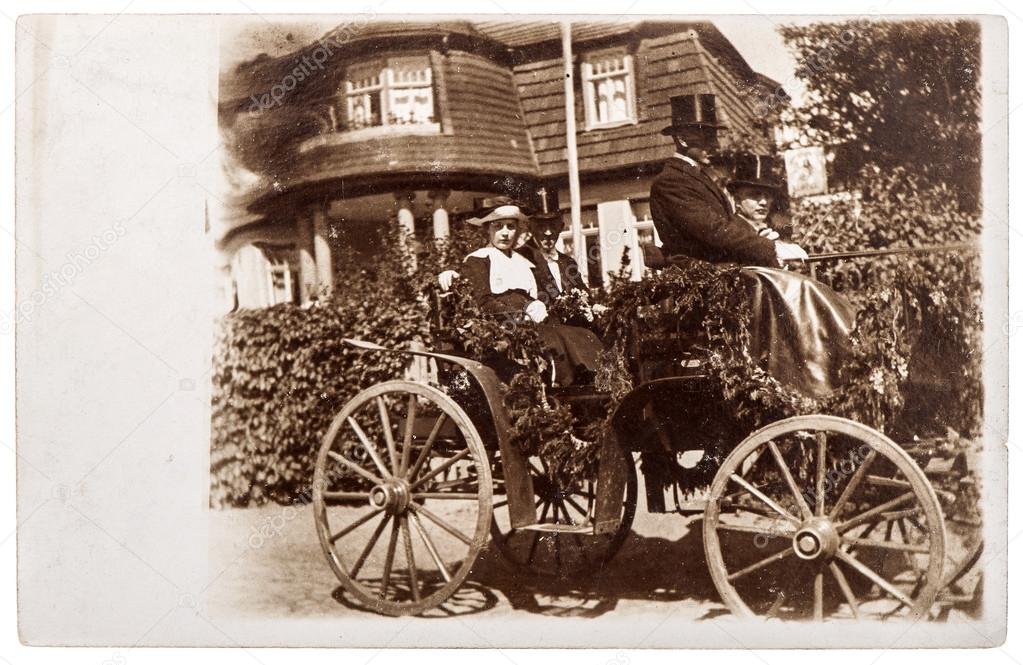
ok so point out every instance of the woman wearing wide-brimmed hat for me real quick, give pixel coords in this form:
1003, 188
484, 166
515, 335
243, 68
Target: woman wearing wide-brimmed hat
504, 282
502, 279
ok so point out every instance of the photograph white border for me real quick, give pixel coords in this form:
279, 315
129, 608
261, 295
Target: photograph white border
998, 328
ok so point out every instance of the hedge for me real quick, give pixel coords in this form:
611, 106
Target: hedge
282, 373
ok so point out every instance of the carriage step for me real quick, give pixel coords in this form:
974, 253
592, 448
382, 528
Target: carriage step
560, 528
693, 506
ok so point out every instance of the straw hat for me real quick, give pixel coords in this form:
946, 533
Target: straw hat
502, 207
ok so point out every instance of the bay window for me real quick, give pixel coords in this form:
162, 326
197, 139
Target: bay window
395, 91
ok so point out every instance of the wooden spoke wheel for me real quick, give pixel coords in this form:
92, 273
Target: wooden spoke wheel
818, 517
402, 497
546, 550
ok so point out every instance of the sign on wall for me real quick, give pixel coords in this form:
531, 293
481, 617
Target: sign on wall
806, 172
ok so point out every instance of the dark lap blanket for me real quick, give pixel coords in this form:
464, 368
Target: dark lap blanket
573, 349
800, 329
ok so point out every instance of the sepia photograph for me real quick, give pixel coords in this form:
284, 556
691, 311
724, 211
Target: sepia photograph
566, 318
637, 331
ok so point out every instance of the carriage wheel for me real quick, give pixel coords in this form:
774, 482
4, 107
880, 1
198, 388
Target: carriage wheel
562, 553
402, 497
820, 517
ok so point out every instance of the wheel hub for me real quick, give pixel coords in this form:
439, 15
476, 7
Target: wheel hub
392, 496
816, 539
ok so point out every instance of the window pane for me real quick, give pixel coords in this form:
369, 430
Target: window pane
281, 283
621, 102
410, 71
364, 110
592, 244
587, 220
364, 76
596, 272
612, 99
603, 99
411, 105
641, 209
609, 84
645, 236
403, 86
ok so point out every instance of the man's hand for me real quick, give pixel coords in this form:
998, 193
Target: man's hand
789, 251
446, 278
537, 311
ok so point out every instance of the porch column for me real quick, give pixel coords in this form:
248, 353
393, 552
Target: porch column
441, 225
406, 223
306, 261
406, 219
321, 251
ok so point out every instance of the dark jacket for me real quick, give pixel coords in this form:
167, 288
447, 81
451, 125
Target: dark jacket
693, 217
512, 302
546, 285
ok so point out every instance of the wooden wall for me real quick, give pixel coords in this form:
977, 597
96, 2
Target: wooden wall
665, 66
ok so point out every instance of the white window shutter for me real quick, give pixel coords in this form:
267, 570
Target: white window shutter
589, 97
616, 225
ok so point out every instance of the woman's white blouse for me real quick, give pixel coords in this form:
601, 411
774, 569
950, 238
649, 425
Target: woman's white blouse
508, 272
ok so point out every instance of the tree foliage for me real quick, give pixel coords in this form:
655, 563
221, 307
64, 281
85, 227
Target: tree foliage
893, 94
935, 344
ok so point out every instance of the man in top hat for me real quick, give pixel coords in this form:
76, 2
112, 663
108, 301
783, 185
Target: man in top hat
754, 191
691, 211
556, 272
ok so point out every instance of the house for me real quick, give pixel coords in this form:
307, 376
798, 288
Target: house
410, 123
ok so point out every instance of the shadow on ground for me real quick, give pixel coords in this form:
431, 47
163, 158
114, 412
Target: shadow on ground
470, 598
647, 568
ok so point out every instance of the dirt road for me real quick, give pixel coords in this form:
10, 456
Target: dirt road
270, 564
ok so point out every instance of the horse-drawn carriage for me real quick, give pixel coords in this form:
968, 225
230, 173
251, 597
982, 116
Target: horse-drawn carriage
813, 517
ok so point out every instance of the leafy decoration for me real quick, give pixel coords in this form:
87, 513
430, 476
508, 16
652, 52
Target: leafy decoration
281, 373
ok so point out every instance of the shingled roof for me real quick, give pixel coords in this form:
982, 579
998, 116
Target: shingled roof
516, 34
510, 73
520, 34
263, 70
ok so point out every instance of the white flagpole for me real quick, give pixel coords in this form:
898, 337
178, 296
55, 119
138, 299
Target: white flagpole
578, 245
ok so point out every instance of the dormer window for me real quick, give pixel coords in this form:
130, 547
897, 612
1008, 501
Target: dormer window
391, 92
609, 89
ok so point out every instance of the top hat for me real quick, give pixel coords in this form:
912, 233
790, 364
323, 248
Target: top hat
754, 171
547, 224
497, 208
545, 219
694, 119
